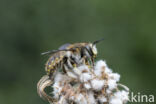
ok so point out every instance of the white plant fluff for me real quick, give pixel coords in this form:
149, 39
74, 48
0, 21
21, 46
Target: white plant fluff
89, 85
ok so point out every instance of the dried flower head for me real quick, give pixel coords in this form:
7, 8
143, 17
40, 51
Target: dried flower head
89, 85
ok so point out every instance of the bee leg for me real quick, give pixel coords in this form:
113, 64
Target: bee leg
68, 65
74, 62
64, 70
62, 67
92, 60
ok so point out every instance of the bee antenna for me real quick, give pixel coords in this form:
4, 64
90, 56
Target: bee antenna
97, 41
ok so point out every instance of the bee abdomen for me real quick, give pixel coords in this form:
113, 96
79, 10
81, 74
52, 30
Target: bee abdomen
53, 64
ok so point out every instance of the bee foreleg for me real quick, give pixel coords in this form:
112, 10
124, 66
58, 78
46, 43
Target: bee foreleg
92, 60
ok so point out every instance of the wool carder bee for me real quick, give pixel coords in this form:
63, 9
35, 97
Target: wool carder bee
66, 57
71, 55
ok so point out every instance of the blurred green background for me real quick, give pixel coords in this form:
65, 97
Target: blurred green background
30, 27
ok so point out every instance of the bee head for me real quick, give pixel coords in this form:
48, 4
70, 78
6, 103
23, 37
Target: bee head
91, 48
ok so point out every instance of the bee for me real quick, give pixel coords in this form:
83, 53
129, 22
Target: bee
71, 55
66, 57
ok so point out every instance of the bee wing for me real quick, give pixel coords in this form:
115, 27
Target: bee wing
54, 51
49, 52
64, 46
